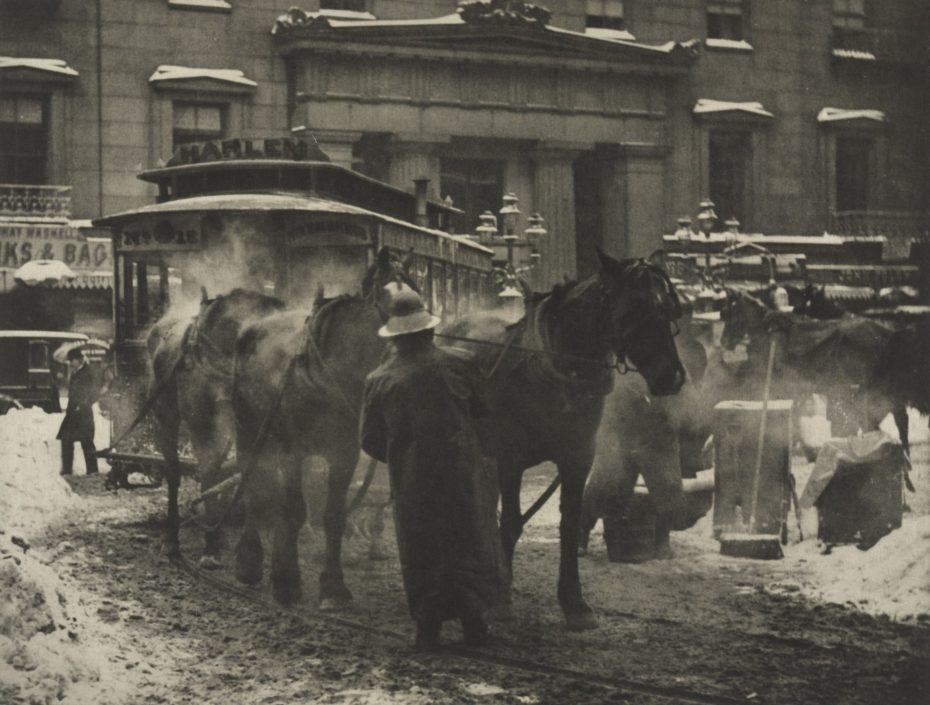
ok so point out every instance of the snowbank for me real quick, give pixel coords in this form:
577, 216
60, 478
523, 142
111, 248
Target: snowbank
31, 489
891, 578
51, 649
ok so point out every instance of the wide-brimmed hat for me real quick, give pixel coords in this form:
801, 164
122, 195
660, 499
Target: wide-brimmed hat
75, 354
408, 315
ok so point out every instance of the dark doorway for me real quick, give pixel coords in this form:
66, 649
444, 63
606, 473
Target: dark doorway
475, 186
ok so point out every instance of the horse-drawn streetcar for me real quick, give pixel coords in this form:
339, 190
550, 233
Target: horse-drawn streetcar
275, 217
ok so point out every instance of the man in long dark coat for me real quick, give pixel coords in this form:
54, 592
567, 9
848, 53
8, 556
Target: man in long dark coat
78, 425
418, 417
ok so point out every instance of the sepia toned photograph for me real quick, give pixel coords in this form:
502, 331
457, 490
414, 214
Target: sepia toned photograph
464, 352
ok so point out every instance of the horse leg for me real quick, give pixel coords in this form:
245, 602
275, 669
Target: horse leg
261, 497
166, 438
578, 615
333, 591
510, 481
210, 446
899, 412
285, 570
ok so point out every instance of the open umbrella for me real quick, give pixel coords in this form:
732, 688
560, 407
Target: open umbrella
93, 350
43, 271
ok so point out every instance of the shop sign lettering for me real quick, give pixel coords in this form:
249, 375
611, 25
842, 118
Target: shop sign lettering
290, 148
21, 243
165, 234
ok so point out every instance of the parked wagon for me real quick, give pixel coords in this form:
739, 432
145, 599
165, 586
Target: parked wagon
277, 217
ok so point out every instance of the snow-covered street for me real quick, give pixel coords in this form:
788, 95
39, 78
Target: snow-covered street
92, 613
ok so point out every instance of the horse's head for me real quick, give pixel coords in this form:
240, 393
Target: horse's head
642, 305
387, 270
222, 318
742, 315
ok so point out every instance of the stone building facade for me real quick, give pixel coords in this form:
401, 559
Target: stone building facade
610, 117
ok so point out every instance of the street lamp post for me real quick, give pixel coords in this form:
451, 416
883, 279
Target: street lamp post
509, 214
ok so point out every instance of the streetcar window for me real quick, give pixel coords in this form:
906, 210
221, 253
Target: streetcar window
38, 355
438, 288
451, 298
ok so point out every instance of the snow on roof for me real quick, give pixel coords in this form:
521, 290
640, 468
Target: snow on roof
45, 334
838, 114
738, 44
203, 4
607, 33
854, 54
166, 72
342, 14
443, 20
706, 105
58, 66
612, 36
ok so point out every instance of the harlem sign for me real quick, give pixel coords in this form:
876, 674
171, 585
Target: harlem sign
286, 148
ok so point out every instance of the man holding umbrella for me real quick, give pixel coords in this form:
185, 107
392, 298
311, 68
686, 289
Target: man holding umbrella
78, 425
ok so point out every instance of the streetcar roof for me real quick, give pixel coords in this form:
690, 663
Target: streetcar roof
258, 202
44, 334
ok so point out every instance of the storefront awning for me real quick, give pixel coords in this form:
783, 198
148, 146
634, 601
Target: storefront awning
88, 280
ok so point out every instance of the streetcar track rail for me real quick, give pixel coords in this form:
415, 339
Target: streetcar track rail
673, 694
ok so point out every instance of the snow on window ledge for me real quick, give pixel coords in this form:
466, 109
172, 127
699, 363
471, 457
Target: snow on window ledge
213, 5
730, 44
57, 66
167, 74
606, 33
706, 106
841, 114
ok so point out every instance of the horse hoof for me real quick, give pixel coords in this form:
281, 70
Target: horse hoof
209, 562
501, 613
580, 621
171, 548
248, 574
378, 552
286, 592
335, 598
334, 604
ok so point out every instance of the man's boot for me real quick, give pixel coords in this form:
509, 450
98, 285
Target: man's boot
427, 640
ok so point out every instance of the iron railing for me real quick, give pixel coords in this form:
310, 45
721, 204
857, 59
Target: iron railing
35, 201
901, 228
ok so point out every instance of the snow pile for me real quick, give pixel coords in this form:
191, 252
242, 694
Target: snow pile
51, 649
891, 578
31, 488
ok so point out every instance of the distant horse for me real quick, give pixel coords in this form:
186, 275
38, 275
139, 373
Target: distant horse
828, 356
547, 378
192, 367
302, 379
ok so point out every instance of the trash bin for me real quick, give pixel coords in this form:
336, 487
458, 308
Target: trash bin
857, 488
736, 438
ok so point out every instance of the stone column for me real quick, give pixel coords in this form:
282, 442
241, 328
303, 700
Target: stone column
414, 158
337, 145
646, 209
554, 198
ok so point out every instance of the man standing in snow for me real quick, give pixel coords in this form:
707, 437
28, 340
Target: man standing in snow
78, 425
418, 417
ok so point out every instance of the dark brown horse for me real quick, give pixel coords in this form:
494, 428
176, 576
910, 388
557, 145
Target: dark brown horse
192, 369
547, 378
302, 378
830, 356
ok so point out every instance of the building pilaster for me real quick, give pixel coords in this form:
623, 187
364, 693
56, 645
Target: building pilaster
412, 158
554, 198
